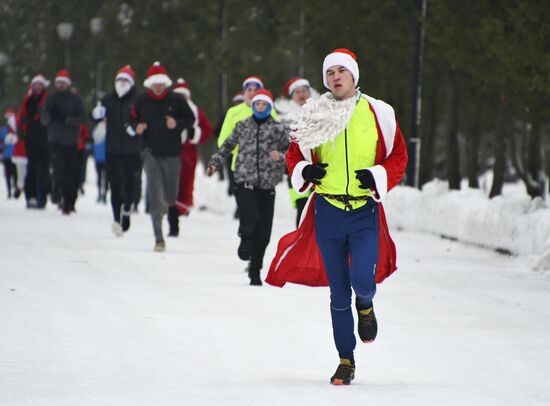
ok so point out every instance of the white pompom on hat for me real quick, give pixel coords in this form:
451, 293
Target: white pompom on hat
341, 57
157, 75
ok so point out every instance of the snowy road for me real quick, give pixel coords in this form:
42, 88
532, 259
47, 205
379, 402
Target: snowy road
90, 319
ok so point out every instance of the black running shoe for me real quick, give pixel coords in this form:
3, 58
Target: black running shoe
367, 326
125, 219
254, 275
344, 373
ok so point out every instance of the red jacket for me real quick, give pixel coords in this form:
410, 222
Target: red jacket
298, 259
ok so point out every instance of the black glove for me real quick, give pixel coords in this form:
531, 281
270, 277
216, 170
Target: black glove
313, 172
366, 179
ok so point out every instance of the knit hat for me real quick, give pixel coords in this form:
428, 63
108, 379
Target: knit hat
182, 87
157, 74
264, 95
293, 84
63, 76
253, 80
126, 72
237, 98
40, 79
341, 57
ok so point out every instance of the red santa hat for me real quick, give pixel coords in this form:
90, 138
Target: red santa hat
237, 98
157, 74
293, 84
40, 79
264, 95
126, 72
341, 57
63, 76
253, 80
182, 87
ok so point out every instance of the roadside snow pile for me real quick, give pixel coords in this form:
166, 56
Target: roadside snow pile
511, 223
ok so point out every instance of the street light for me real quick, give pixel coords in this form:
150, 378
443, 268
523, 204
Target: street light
65, 32
413, 168
4, 59
96, 26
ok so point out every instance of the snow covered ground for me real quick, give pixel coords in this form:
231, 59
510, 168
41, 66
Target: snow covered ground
90, 319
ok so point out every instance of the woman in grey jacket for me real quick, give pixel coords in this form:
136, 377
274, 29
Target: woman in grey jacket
259, 167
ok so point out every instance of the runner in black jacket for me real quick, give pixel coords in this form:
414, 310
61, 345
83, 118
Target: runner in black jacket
123, 160
159, 117
63, 113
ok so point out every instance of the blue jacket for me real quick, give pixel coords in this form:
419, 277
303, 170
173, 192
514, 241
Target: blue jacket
99, 151
7, 149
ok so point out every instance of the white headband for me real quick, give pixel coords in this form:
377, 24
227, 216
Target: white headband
340, 59
124, 75
297, 84
64, 79
264, 98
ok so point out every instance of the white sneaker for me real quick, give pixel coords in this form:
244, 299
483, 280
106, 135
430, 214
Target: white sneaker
116, 228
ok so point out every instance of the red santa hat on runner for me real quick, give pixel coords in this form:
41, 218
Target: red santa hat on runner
293, 84
253, 80
63, 76
40, 79
264, 95
157, 74
182, 87
238, 98
341, 57
127, 73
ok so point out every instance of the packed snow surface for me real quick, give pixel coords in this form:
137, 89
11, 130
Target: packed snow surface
87, 318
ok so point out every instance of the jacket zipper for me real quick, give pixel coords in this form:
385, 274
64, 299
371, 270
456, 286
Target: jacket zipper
122, 118
258, 154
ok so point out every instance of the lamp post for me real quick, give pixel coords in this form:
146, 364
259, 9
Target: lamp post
4, 59
65, 32
413, 169
96, 26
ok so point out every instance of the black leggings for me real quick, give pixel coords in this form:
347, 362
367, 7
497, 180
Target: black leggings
122, 171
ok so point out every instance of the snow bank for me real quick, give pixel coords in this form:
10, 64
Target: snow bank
513, 223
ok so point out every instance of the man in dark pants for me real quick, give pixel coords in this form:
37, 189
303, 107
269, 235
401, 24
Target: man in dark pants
159, 117
123, 161
37, 182
63, 114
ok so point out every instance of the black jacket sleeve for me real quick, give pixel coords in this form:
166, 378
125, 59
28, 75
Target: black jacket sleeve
186, 118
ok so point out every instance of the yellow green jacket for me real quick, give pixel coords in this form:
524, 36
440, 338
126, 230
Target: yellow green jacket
232, 117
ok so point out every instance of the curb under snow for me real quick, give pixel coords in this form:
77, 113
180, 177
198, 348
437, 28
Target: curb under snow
513, 224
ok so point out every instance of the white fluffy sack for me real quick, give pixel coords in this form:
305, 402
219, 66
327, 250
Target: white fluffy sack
321, 120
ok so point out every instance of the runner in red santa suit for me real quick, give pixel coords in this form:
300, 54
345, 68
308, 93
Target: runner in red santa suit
349, 148
200, 134
37, 182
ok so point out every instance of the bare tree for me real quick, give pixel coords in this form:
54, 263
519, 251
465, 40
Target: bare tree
528, 158
499, 146
453, 146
